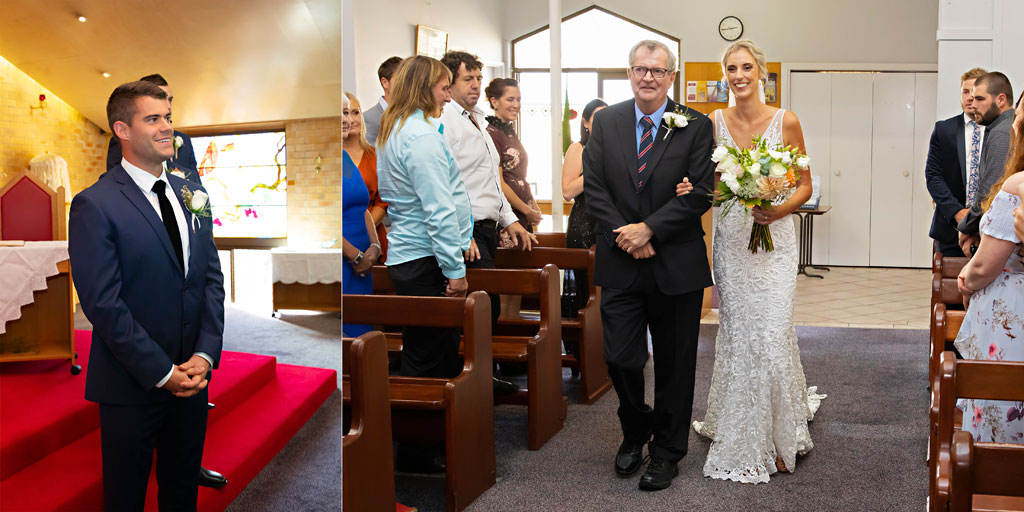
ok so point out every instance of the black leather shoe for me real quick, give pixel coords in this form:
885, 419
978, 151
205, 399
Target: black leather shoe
659, 474
504, 387
629, 459
208, 478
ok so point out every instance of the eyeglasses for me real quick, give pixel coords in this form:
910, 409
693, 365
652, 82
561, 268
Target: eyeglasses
641, 71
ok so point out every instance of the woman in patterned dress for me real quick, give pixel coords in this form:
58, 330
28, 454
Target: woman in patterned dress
504, 97
993, 285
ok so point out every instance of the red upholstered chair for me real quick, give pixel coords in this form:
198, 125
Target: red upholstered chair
31, 211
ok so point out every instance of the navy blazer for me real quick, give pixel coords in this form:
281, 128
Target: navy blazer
615, 197
146, 315
946, 177
185, 162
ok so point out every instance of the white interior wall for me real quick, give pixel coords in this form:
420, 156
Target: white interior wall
876, 31
388, 27
977, 33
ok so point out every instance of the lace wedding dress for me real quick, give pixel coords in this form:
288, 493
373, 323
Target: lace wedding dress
759, 403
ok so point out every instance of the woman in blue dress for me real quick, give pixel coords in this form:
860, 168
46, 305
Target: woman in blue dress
360, 246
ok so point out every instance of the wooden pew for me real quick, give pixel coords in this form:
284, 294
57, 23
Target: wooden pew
546, 405
945, 325
368, 473
585, 330
989, 380
944, 290
986, 476
550, 239
459, 410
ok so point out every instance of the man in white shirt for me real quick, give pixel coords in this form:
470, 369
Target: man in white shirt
371, 117
465, 131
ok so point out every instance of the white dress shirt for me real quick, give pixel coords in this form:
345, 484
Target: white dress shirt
478, 159
145, 182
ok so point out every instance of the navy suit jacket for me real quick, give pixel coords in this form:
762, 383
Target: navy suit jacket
146, 315
946, 177
615, 197
186, 161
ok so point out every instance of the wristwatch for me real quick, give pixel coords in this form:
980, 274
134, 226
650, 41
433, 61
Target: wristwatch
357, 259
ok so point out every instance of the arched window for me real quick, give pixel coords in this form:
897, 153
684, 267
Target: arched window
595, 48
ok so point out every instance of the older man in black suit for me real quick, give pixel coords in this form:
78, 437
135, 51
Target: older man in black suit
651, 258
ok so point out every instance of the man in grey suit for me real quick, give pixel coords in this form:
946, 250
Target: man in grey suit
993, 100
371, 116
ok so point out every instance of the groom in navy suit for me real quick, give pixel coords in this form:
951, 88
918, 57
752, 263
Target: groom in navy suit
651, 260
149, 280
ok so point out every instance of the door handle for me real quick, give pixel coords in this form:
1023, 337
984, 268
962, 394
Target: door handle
837, 173
906, 174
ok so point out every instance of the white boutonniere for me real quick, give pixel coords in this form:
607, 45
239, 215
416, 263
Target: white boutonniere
178, 173
178, 142
198, 203
673, 120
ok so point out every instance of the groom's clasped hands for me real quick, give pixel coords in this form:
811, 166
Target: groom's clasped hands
190, 378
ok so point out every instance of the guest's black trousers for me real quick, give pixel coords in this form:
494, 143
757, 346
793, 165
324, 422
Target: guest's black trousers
426, 351
674, 322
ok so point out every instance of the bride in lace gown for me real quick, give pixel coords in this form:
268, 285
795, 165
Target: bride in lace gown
759, 403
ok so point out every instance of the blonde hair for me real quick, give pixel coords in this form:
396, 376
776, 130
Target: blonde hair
411, 90
363, 143
755, 51
972, 74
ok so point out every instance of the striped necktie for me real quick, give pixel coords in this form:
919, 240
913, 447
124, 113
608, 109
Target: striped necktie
646, 142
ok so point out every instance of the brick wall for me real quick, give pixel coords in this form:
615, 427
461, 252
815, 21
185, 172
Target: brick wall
59, 129
314, 196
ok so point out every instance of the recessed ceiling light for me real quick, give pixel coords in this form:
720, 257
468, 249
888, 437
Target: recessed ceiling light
106, 75
81, 18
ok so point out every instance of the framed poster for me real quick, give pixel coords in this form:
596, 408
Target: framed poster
431, 41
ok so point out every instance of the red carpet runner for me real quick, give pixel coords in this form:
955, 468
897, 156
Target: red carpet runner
50, 439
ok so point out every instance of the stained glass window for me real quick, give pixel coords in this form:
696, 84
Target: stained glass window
245, 175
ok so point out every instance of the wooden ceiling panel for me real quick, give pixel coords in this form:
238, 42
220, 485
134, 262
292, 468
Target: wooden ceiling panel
228, 61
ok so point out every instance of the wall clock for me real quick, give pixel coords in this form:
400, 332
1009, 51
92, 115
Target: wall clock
730, 28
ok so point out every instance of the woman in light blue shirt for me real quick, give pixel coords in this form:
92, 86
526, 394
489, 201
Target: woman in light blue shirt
431, 219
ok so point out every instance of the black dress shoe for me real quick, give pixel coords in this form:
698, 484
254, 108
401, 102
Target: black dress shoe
629, 459
208, 478
504, 387
659, 474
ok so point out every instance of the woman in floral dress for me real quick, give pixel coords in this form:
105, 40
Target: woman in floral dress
504, 97
993, 282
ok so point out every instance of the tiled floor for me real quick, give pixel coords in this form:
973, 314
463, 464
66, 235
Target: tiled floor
886, 298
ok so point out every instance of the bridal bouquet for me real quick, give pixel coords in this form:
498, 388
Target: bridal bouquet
759, 176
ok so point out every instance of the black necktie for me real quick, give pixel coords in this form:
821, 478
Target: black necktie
169, 222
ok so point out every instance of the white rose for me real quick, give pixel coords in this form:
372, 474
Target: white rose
731, 182
199, 200
803, 162
178, 141
755, 170
178, 174
719, 154
778, 170
776, 155
787, 158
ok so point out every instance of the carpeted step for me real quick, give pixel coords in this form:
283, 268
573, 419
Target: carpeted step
42, 407
238, 444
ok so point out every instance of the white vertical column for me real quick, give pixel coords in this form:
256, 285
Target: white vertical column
966, 40
555, 22
348, 52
